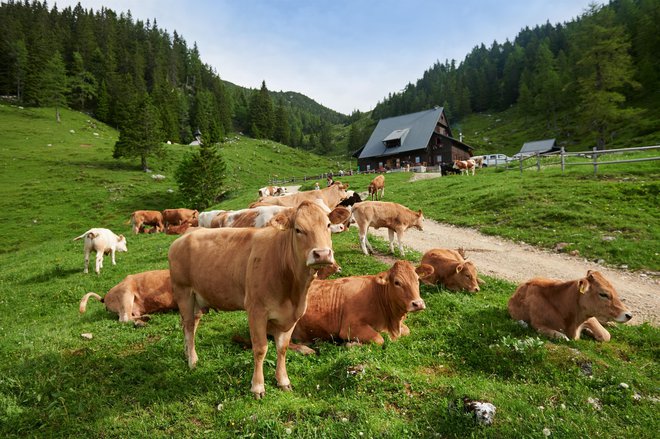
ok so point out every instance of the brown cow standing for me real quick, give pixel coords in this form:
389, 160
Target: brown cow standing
451, 269
396, 217
137, 296
563, 309
177, 217
264, 271
377, 185
465, 166
359, 308
331, 196
141, 218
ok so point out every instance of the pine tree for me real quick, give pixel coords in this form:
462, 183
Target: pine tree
604, 68
200, 176
82, 84
142, 137
20, 64
261, 114
54, 84
282, 129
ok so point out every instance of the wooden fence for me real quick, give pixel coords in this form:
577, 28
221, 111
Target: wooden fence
592, 158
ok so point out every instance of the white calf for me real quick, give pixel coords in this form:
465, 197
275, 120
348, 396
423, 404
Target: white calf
102, 241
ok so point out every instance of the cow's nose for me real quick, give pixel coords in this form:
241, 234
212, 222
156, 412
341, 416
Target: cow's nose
477, 289
418, 305
628, 316
320, 256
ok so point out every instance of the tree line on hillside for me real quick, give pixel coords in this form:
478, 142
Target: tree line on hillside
122, 70
588, 67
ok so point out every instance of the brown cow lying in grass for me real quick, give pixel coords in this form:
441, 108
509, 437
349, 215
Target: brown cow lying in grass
561, 309
451, 270
137, 296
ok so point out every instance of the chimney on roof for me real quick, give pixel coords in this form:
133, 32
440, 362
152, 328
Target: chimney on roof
460, 136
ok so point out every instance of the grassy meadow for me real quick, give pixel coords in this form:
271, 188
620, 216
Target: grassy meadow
135, 382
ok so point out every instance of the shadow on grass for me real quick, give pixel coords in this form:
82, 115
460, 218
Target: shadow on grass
50, 274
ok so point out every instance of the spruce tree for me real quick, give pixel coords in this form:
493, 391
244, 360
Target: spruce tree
54, 84
82, 84
142, 137
200, 177
261, 115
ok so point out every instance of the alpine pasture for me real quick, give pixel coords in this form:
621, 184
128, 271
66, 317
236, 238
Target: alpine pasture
59, 180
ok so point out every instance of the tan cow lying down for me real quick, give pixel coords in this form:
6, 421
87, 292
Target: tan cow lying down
102, 241
141, 218
261, 216
377, 214
377, 186
330, 195
264, 271
137, 296
561, 309
451, 270
179, 216
359, 308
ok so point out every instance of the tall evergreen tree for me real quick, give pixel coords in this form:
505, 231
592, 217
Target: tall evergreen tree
604, 69
54, 84
82, 84
142, 137
261, 115
282, 129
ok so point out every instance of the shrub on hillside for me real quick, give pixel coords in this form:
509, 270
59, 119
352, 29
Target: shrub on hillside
200, 177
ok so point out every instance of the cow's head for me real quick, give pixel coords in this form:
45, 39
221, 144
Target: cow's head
121, 244
463, 277
340, 216
419, 221
599, 299
341, 189
310, 229
402, 283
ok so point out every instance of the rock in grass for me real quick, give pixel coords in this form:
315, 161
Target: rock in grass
484, 412
87, 336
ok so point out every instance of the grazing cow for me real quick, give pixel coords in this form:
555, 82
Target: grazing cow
353, 197
451, 269
377, 214
141, 218
359, 308
137, 296
446, 169
376, 186
330, 195
102, 241
264, 271
204, 219
464, 166
177, 230
563, 309
180, 216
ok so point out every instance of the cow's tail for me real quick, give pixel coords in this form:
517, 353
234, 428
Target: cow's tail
83, 302
90, 235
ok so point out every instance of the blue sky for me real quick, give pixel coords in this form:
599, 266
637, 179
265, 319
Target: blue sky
345, 54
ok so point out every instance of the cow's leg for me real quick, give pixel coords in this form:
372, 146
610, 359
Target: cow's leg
595, 329
360, 333
258, 323
126, 307
552, 333
99, 261
86, 270
363, 240
382, 192
390, 233
189, 322
112, 255
399, 238
282, 340
301, 349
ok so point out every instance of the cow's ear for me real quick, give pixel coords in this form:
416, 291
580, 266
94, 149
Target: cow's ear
381, 278
346, 186
120, 238
590, 274
419, 212
583, 285
459, 268
424, 270
281, 221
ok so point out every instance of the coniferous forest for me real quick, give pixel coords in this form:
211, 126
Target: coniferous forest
600, 70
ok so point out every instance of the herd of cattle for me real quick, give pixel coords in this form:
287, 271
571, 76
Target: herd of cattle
272, 260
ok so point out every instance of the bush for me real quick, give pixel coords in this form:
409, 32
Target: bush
200, 176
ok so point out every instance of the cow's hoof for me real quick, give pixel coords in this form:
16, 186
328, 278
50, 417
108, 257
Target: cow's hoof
285, 388
259, 395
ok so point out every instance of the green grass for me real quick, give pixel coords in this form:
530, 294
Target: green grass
134, 382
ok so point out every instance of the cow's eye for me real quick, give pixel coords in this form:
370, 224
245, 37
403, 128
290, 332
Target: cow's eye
397, 283
604, 295
298, 231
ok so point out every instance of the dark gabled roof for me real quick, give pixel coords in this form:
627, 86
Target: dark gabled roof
419, 126
540, 146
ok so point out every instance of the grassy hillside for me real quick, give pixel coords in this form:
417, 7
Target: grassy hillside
505, 132
134, 382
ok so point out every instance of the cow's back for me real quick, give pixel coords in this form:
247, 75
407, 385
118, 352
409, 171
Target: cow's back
534, 296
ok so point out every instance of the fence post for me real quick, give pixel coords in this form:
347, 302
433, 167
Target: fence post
521, 160
561, 153
538, 161
595, 161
